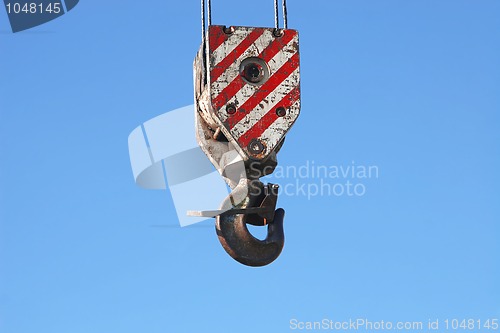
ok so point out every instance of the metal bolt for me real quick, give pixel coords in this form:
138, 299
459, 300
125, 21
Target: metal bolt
228, 30
275, 188
255, 147
278, 33
253, 72
281, 111
231, 109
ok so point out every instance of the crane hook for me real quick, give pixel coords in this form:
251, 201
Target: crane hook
247, 95
240, 244
235, 237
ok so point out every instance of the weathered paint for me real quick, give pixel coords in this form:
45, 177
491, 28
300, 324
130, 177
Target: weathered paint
256, 104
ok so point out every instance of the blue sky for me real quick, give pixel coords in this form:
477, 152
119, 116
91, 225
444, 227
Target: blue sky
410, 87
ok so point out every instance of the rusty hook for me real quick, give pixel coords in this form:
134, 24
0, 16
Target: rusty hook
240, 244
243, 247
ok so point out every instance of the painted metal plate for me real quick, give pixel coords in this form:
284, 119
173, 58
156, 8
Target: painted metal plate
254, 85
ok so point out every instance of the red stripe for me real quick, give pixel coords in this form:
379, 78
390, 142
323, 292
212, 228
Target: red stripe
235, 54
277, 45
216, 36
268, 87
227, 93
269, 118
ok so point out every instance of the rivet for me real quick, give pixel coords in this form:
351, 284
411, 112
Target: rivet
255, 147
231, 109
280, 111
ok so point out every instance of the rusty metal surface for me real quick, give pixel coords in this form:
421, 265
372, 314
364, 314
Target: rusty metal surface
239, 243
243, 247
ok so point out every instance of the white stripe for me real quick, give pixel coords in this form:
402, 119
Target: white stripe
273, 134
228, 46
273, 99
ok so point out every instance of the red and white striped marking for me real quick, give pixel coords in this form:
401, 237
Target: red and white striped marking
256, 105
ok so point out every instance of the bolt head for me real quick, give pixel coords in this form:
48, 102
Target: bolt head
255, 147
231, 109
280, 111
228, 30
253, 72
